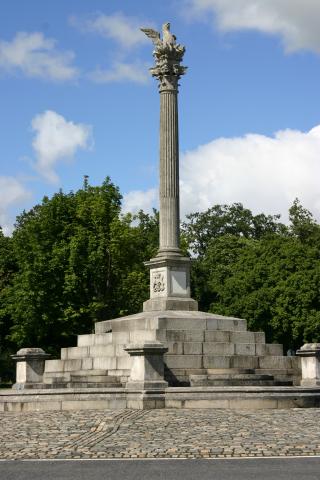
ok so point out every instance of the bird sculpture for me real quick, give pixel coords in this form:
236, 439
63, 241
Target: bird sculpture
168, 39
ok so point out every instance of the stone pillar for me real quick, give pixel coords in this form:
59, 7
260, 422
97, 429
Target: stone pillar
169, 169
310, 364
29, 367
147, 369
169, 270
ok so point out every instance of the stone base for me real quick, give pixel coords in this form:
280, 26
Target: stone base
148, 385
310, 382
253, 398
170, 303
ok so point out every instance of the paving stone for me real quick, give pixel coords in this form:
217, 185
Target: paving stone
172, 433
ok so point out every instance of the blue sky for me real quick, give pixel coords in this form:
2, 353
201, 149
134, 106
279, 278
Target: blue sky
76, 99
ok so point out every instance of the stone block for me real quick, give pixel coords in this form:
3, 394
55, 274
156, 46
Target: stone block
87, 363
175, 347
275, 362
245, 349
206, 403
54, 366
71, 365
124, 362
41, 406
102, 350
170, 303
85, 340
252, 403
242, 337
103, 338
244, 361
232, 324
193, 336
183, 361
260, 349
213, 361
310, 363
218, 348
217, 336
274, 349
192, 348
170, 403
86, 404
30, 364
259, 337
138, 336
121, 338
185, 323
103, 327
175, 335
74, 352
105, 363
212, 324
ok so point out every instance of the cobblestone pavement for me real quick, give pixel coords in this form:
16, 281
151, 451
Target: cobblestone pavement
159, 434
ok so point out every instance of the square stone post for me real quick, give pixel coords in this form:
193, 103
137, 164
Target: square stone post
29, 367
147, 369
310, 364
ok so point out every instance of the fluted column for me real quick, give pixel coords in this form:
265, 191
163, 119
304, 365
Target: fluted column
169, 270
169, 173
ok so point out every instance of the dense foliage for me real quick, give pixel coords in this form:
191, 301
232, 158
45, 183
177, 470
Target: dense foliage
256, 268
74, 259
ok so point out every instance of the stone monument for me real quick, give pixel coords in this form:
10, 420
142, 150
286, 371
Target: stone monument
212, 361
169, 270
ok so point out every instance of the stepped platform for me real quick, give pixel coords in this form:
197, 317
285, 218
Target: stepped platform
211, 361
203, 349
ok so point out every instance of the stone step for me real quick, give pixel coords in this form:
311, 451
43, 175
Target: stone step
234, 336
94, 378
88, 363
216, 348
108, 350
228, 371
94, 339
90, 384
84, 373
231, 380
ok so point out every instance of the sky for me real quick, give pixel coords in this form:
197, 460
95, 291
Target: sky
77, 99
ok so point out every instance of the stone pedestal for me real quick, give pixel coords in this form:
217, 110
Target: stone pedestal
310, 364
30, 364
147, 370
169, 285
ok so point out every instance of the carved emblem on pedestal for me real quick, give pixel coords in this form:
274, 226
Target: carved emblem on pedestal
158, 282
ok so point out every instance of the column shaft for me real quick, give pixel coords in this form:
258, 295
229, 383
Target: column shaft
169, 172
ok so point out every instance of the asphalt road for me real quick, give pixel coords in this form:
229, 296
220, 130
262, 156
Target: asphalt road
216, 469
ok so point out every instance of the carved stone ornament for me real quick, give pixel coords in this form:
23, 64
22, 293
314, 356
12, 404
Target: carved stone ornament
168, 56
158, 282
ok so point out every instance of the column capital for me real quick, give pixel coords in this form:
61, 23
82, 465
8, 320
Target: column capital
168, 56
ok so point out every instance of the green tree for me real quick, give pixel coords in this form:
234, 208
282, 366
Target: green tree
8, 268
201, 228
78, 262
271, 279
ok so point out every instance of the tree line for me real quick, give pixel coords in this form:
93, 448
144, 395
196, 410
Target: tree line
75, 259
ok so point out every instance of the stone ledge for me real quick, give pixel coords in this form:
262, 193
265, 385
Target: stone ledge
171, 397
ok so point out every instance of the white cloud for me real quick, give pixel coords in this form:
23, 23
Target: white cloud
36, 56
296, 21
119, 72
264, 173
12, 192
140, 200
118, 27
56, 140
